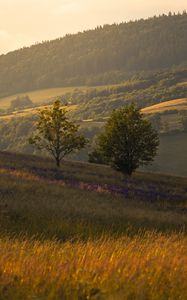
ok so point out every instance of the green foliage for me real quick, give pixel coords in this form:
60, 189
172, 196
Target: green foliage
56, 134
108, 54
128, 141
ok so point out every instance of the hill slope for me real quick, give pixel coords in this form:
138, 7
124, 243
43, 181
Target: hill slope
169, 118
177, 104
84, 232
106, 54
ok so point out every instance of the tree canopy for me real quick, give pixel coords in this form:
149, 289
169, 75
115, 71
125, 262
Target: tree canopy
56, 134
128, 141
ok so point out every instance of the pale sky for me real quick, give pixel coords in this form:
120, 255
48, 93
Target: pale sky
25, 22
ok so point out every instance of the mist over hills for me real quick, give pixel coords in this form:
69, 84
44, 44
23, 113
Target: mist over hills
108, 54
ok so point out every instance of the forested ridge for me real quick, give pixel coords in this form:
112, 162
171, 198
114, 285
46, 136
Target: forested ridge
107, 54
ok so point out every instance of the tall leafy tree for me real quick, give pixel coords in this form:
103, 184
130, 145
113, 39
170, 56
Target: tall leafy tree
56, 134
128, 141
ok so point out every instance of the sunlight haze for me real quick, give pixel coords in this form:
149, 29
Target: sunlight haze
23, 23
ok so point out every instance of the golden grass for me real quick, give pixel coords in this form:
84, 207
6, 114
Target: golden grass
31, 111
43, 96
59, 242
149, 266
178, 104
39, 96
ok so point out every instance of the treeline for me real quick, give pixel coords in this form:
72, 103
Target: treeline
144, 90
108, 54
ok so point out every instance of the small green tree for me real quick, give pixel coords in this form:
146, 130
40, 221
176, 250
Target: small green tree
56, 134
128, 141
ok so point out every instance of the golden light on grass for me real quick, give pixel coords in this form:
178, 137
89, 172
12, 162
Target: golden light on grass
39, 96
149, 266
61, 241
177, 104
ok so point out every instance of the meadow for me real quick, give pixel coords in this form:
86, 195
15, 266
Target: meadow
177, 104
29, 112
86, 232
38, 97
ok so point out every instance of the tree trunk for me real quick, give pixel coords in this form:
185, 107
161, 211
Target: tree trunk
57, 162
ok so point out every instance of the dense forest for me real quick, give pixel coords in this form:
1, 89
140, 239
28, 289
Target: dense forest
108, 54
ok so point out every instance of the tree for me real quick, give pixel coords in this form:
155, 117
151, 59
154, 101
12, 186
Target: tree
128, 141
56, 134
21, 102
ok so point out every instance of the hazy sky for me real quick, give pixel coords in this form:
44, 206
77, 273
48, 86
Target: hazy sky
24, 22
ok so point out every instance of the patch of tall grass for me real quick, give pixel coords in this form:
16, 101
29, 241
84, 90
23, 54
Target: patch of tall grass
150, 266
64, 242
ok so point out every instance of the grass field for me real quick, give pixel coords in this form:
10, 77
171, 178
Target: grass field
45, 95
86, 232
39, 96
172, 158
32, 111
178, 104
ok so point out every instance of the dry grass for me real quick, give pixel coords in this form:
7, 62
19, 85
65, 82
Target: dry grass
64, 242
39, 96
31, 111
150, 266
178, 104
43, 96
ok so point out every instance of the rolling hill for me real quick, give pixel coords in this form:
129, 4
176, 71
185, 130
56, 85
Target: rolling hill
84, 232
91, 106
177, 104
39, 96
108, 54
77, 70
167, 117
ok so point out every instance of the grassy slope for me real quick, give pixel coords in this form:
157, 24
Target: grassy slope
178, 104
173, 147
32, 111
132, 266
43, 96
110, 245
172, 157
39, 96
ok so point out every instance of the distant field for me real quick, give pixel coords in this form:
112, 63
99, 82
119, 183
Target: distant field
43, 96
39, 96
85, 232
30, 111
178, 104
172, 156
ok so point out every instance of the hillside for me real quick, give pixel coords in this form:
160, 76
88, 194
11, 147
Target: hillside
108, 54
84, 232
90, 107
169, 118
89, 180
39, 96
89, 231
178, 104
129, 57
